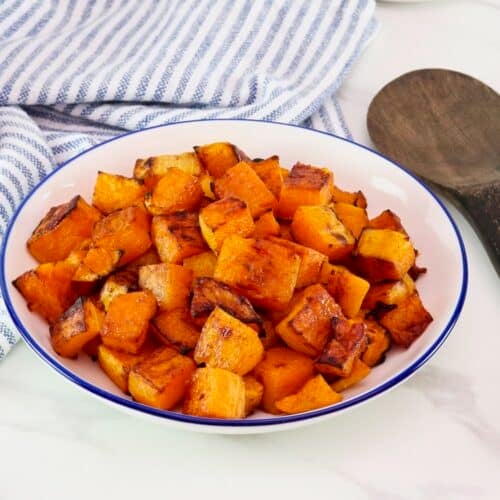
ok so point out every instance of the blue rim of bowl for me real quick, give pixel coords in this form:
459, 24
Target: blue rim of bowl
261, 422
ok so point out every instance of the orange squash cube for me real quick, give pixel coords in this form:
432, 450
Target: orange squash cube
354, 218
161, 379
202, 265
218, 157
387, 220
225, 342
114, 192
127, 320
97, 264
75, 327
63, 229
176, 327
340, 196
152, 169
384, 254
215, 393
307, 326
176, 190
253, 393
359, 371
314, 394
269, 171
242, 182
169, 283
282, 372
177, 236
117, 284
266, 225
305, 185
263, 271
378, 343
318, 227
388, 293
225, 217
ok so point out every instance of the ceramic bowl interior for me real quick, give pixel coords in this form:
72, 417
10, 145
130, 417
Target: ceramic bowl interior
384, 184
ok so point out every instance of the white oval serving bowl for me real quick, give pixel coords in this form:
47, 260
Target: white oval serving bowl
385, 185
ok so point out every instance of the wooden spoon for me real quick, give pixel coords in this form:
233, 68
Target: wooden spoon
445, 127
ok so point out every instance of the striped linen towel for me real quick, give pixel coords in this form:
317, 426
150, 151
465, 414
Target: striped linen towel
74, 73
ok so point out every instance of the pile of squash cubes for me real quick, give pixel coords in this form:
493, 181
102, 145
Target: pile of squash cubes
216, 285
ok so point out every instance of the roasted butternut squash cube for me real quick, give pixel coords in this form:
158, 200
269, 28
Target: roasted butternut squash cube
347, 289
202, 265
253, 393
378, 343
347, 342
117, 364
388, 293
307, 327
223, 218
97, 264
177, 236
161, 379
63, 229
176, 327
127, 320
359, 371
49, 289
215, 393
114, 192
282, 372
340, 196
311, 261
266, 225
155, 167
407, 321
176, 190
119, 283
126, 230
169, 283
241, 181
305, 185
263, 271
75, 327
225, 342
387, 220
318, 227
384, 254
269, 171
354, 218
219, 157
314, 394
208, 293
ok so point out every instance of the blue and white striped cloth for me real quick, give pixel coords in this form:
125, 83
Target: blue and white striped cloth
74, 73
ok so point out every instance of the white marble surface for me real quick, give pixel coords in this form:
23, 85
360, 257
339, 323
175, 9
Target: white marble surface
435, 437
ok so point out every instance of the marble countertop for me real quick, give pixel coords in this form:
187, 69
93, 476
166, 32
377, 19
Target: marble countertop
437, 436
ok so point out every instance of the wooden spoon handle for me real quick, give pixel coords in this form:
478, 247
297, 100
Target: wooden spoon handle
482, 202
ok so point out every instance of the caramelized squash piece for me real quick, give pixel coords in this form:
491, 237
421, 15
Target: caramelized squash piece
97, 264
387, 220
384, 254
114, 192
169, 283
127, 321
75, 327
354, 218
263, 271
117, 284
359, 371
305, 185
225, 342
357, 199
314, 394
347, 289
177, 236
407, 321
307, 326
318, 227
63, 229
388, 293
176, 327
378, 343
347, 343
218, 157
253, 393
242, 182
215, 393
223, 218
175, 191
282, 372
269, 171
202, 265
208, 293
266, 225
161, 379
125, 230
